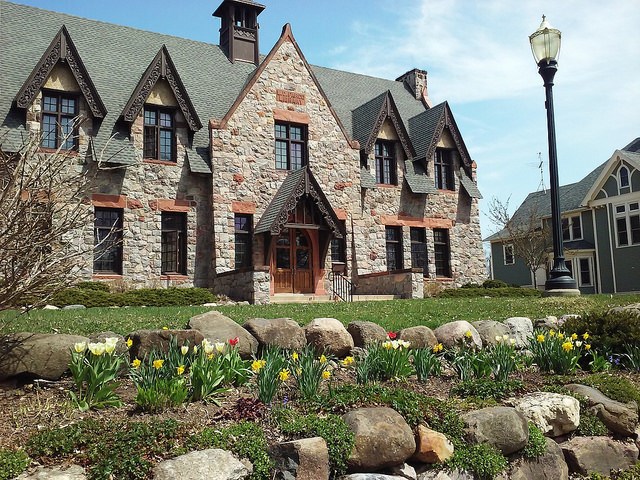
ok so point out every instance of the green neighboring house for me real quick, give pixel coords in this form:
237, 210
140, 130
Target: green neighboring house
600, 229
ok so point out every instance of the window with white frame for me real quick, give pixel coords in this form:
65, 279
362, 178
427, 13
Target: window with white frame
628, 224
623, 177
571, 228
509, 257
581, 269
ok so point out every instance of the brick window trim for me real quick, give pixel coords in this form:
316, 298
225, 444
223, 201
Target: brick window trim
101, 200
243, 207
291, 116
171, 205
177, 276
405, 221
340, 213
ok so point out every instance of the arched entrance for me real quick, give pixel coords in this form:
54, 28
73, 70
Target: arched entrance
293, 262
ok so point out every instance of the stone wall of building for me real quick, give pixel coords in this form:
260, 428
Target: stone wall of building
401, 283
251, 285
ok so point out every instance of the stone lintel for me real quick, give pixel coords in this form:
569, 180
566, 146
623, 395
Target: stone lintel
341, 213
404, 221
290, 116
171, 205
108, 201
243, 207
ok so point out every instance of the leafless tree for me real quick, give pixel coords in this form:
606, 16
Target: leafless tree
525, 231
44, 214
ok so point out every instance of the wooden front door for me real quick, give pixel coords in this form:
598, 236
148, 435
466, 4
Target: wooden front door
292, 256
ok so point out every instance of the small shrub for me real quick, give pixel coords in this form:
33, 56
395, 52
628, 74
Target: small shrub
494, 284
471, 292
537, 444
484, 460
590, 425
557, 352
81, 296
610, 331
271, 371
486, 388
308, 371
95, 286
339, 437
95, 296
12, 463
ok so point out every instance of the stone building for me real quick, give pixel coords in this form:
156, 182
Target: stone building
252, 175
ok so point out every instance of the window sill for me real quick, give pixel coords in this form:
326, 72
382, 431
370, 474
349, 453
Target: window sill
159, 162
446, 191
386, 185
72, 152
106, 276
174, 276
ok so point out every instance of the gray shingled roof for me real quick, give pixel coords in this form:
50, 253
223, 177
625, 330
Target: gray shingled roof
539, 203
423, 126
364, 118
116, 57
270, 215
367, 180
416, 177
469, 185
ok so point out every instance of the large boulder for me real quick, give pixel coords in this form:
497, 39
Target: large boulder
620, 418
553, 413
147, 341
305, 459
503, 427
278, 332
586, 455
212, 464
366, 333
69, 472
217, 327
489, 330
371, 476
41, 355
446, 475
382, 439
633, 309
328, 335
520, 329
456, 333
418, 336
549, 466
431, 446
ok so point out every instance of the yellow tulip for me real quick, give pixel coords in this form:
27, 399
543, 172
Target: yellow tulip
80, 347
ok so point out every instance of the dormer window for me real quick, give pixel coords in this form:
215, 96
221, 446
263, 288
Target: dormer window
159, 134
385, 163
443, 170
59, 111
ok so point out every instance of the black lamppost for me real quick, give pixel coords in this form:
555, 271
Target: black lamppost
545, 45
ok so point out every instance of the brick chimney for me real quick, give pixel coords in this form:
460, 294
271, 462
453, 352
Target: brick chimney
239, 29
416, 82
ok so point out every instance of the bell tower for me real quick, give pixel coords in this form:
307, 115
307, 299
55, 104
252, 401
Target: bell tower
239, 29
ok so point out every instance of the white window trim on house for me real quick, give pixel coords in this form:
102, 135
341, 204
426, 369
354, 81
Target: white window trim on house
570, 221
626, 211
505, 247
619, 177
575, 269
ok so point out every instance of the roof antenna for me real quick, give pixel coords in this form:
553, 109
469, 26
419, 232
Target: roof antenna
541, 185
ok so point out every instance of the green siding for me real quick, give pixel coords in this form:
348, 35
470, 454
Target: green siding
604, 251
635, 180
587, 226
517, 274
611, 186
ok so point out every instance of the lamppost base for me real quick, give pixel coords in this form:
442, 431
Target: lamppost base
561, 292
561, 284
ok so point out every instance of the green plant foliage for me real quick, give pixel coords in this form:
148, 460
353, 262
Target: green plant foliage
159, 385
613, 386
469, 363
514, 292
95, 286
609, 332
95, 296
427, 363
484, 460
489, 283
339, 437
486, 388
271, 371
557, 351
632, 357
307, 368
12, 463
537, 444
244, 439
502, 359
590, 425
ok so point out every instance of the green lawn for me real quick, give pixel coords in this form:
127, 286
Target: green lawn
393, 315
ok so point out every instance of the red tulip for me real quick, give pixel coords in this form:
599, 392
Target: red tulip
233, 341
392, 335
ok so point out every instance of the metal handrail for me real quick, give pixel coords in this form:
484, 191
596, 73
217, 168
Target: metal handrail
341, 287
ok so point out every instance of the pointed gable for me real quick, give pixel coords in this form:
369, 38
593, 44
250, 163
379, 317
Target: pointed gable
162, 68
297, 184
61, 50
369, 118
597, 185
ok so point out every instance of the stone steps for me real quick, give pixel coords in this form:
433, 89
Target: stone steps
311, 298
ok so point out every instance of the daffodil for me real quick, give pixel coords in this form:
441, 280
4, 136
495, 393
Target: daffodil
256, 365
323, 359
574, 336
585, 335
437, 348
80, 347
165, 328
468, 334
157, 364
298, 371
560, 335
136, 363
587, 346
284, 374
552, 332
567, 346
294, 356
180, 369
326, 374
347, 361
129, 342
96, 348
540, 338
184, 349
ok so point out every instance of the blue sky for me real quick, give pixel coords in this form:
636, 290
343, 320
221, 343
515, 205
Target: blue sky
478, 58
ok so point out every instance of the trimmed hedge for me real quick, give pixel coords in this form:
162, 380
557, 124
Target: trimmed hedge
150, 297
489, 292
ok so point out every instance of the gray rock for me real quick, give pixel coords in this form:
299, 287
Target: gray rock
366, 333
454, 333
618, 417
549, 322
503, 427
217, 327
520, 329
586, 455
418, 336
405, 471
328, 335
306, 459
73, 307
50, 307
489, 330
382, 439
446, 475
553, 413
42, 355
549, 466
633, 308
72, 472
146, 341
212, 464
280, 332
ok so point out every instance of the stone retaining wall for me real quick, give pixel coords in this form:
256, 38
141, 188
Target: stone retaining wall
407, 283
247, 284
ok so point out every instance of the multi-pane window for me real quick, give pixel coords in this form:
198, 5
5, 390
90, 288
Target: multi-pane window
339, 247
291, 146
243, 233
571, 228
418, 248
509, 257
623, 177
58, 114
443, 169
442, 252
385, 163
628, 224
174, 243
107, 235
159, 134
585, 278
393, 236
